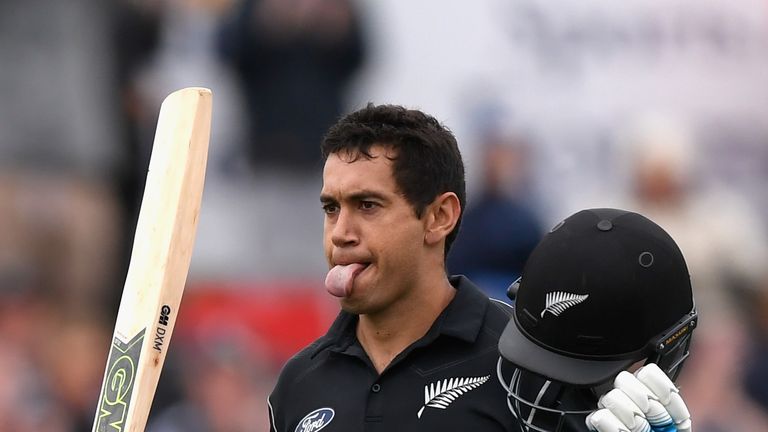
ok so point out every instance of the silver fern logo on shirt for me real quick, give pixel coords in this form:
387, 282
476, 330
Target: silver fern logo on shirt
558, 302
442, 393
315, 420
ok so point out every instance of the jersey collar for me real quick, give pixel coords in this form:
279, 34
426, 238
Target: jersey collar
461, 319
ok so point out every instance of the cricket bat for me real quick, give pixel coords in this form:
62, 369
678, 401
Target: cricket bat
162, 249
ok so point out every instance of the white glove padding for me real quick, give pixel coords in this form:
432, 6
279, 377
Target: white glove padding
667, 393
646, 401
617, 403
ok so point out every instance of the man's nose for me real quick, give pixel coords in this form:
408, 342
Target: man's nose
345, 230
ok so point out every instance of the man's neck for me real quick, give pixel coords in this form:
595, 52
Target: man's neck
386, 334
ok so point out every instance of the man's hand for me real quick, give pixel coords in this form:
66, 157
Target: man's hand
643, 402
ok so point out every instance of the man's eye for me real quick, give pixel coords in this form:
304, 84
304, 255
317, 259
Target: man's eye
368, 205
330, 208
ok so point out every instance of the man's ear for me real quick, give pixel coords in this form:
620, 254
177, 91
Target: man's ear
441, 217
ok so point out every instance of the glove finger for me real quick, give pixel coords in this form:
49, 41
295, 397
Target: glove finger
603, 420
656, 414
659, 418
636, 390
667, 394
625, 410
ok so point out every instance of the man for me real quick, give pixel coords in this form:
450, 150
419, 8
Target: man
411, 349
605, 291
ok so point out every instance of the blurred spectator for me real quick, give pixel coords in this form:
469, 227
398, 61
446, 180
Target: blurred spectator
25, 405
499, 229
294, 59
725, 248
182, 52
226, 378
74, 363
58, 149
136, 26
60, 234
723, 239
757, 371
50, 365
164, 46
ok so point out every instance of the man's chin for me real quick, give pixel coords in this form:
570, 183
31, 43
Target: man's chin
357, 306
350, 305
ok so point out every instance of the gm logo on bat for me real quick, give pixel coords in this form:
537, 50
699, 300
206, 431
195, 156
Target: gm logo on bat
160, 331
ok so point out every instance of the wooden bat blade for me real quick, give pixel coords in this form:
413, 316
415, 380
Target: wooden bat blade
162, 250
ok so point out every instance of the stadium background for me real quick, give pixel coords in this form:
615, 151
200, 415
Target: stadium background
575, 95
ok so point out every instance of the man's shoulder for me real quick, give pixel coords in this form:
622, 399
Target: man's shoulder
303, 359
290, 380
314, 354
295, 370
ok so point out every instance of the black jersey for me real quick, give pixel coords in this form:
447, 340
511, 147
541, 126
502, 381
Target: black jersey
444, 381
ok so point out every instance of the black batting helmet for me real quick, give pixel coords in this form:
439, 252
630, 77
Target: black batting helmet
604, 289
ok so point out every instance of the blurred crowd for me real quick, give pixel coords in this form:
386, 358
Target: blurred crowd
82, 82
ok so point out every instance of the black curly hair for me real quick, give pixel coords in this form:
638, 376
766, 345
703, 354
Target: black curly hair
427, 159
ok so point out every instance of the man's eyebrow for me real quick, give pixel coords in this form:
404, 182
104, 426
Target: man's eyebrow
365, 195
361, 195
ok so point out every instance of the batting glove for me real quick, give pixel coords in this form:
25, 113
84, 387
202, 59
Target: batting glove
644, 402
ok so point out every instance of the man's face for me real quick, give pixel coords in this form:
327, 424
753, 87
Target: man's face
368, 221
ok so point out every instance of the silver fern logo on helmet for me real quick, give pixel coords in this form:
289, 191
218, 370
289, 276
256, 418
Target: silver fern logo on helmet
558, 302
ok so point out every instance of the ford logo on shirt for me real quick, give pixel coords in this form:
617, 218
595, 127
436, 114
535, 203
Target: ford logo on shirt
315, 420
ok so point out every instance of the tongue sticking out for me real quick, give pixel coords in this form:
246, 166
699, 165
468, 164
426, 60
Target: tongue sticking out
339, 280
